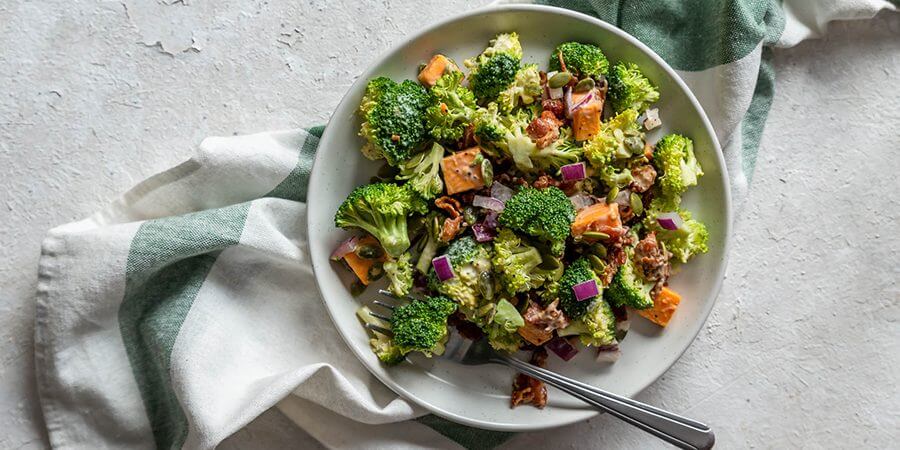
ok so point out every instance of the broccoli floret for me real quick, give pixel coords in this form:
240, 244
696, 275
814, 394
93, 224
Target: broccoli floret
421, 325
393, 119
627, 289
493, 76
546, 214
382, 345
452, 108
597, 327
559, 153
690, 239
502, 332
423, 172
472, 287
504, 43
400, 273
489, 127
520, 265
516, 143
577, 272
630, 89
674, 158
525, 89
381, 209
463, 251
583, 60
618, 138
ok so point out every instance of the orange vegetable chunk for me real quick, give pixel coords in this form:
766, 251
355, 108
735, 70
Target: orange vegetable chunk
361, 266
433, 70
595, 217
460, 174
664, 306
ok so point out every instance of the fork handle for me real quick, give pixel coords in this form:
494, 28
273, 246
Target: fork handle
672, 428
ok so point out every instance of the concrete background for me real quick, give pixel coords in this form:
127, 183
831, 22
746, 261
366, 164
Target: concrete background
802, 349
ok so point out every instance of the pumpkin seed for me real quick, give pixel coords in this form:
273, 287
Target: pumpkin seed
559, 80
376, 272
599, 250
487, 172
595, 235
598, 264
585, 85
369, 252
613, 193
636, 204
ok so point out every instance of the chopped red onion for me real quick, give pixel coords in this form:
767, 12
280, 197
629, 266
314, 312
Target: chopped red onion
490, 203
491, 220
669, 220
562, 347
586, 290
580, 201
555, 93
442, 267
608, 353
568, 95
570, 108
483, 233
501, 192
572, 172
348, 246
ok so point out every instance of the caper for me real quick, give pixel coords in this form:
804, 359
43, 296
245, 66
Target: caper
369, 252
613, 193
559, 80
585, 85
487, 172
376, 272
636, 204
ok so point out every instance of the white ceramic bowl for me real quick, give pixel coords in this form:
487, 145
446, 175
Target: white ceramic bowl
479, 396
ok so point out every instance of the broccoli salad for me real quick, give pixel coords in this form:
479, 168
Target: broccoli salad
522, 206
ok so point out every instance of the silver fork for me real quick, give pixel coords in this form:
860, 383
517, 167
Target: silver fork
672, 428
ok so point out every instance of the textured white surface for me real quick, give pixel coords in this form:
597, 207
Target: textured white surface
802, 349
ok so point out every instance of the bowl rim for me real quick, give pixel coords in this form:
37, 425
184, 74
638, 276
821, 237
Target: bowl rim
490, 9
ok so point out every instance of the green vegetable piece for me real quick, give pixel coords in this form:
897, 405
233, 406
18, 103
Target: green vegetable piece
393, 114
630, 89
559, 80
381, 210
584, 60
546, 214
577, 272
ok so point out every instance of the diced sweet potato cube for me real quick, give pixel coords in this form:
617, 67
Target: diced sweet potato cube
596, 216
534, 334
435, 69
460, 174
360, 266
664, 305
586, 120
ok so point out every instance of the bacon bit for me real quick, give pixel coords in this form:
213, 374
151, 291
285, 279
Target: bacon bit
468, 139
549, 318
562, 63
648, 151
451, 225
643, 178
527, 390
555, 106
652, 261
544, 130
465, 328
395, 137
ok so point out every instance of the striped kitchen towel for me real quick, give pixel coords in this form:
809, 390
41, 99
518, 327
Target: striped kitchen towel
187, 307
